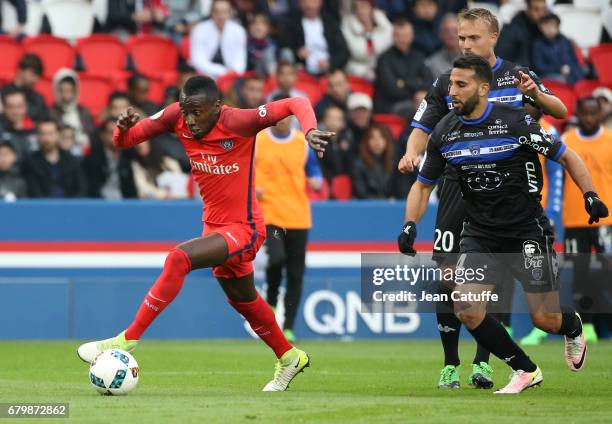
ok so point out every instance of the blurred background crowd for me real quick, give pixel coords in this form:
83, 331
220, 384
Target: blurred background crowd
69, 67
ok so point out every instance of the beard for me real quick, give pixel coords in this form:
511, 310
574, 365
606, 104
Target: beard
468, 106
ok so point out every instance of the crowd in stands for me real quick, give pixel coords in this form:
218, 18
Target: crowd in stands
365, 65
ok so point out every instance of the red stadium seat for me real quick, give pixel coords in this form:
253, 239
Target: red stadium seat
54, 52
226, 81
103, 54
310, 88
565, 93
44, 87
154, 56
321, 195
585, 88
395, 123
157, 90
185, 46
94, 93
11, 54
601, 58
360, 85
342, 187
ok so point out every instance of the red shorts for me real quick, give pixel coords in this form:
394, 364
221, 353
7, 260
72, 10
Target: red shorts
243, 242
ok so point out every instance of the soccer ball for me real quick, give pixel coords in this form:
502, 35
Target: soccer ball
114, 372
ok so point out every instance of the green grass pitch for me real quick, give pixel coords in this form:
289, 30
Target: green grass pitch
354, 382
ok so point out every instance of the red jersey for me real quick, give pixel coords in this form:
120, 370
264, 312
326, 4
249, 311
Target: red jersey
222, 160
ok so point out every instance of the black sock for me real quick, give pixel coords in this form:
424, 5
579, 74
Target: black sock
503, 318
492, 335
482, 355
570, 324
449, 327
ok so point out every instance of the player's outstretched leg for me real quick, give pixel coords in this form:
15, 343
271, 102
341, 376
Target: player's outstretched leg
211, 250
243, 297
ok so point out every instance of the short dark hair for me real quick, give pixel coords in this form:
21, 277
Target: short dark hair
10, 90
118, 95
47, 121
31, 61
551, 17
133, 80
479, 65
401, 21
68, 79
201, 84
584, 100
8, 145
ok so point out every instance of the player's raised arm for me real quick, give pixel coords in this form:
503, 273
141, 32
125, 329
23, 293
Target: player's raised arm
131, 130
530, 85
248, 122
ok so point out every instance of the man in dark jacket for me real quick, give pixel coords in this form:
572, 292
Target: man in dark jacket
50, 171
315, 39
401, 73
12, 184
516, 39
29, 72
16, 127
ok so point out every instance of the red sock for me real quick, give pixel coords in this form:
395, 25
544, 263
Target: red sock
261, 319
163, 292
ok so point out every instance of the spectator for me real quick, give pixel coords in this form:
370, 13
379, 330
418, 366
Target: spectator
442, 60
516, 38
285, 80
604, 95
553, 53
260, 46
359, 107
426, 16
50, 171
151, 15
394, 8
247, 9
374, 166
185, 71
339, 153
338, 89
280, 10
109, 174
248, 93
401, 74
315, 39
285, 166
117, 103
156, 175
12, 184
183, 15
368, 33
138, 93
16, 127
68, 141
22, 15
219, 45
120, 17
28, 73
68, 111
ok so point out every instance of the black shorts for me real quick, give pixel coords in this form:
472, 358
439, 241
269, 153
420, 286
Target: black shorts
530, 259
449, 222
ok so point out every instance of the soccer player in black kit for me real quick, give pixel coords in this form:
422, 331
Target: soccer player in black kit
512, 84
493, 148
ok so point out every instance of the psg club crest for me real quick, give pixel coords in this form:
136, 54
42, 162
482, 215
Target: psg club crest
475, 149
227, 144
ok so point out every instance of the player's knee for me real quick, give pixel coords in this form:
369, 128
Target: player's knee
470, 318
177, 261
549, 322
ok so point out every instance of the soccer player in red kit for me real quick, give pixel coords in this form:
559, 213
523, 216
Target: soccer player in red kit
219, 141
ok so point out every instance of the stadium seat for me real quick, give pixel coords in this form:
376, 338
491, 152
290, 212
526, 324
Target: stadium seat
94, 93
154, 56
342, 187
70, 19
226, 81
585, 88
321, 195
157, 90
601, 58
185, 48
103, 55
54, 52
44, 87
11, 54
360, 85
310, 88
396, 124
565, 93
584, 27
